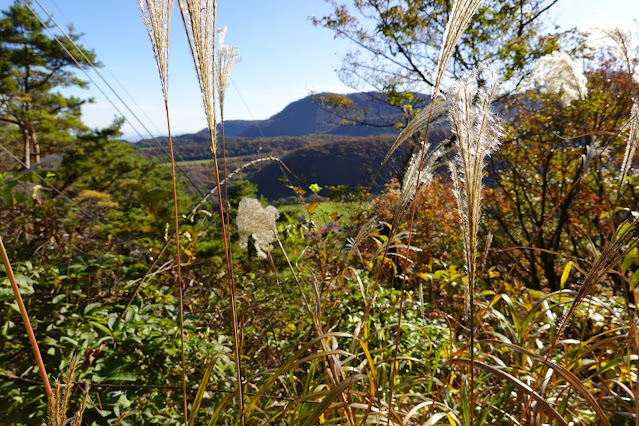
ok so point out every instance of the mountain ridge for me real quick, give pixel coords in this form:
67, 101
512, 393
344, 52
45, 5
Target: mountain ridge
311, 115
308, 136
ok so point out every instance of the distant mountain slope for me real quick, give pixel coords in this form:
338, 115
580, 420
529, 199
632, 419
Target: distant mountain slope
308, 116
351, 161
309, 139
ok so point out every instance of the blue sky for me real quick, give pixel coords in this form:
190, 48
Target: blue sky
284, 57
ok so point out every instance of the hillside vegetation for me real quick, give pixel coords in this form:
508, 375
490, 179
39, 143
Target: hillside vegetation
467, 261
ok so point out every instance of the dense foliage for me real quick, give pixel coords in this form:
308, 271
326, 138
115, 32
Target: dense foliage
353, 310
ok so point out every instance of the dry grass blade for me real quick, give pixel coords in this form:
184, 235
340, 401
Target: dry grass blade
460, 16
515, 382
292, 363
419, 121
325, 405
567, 375
435, 417
202, 388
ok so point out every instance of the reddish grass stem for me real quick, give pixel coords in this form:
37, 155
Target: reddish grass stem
25, 319
229, 276
178, 264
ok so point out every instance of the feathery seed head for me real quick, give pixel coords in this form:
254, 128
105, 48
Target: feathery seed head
227, 58
558, 73
257, 221
157, 17
198, 17
619, 41
221, 33
476, 128
369, 228
418, 173
631, 145
460, 16
477, 132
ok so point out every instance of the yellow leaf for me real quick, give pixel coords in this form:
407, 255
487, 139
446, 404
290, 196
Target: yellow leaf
311, 207
564, 276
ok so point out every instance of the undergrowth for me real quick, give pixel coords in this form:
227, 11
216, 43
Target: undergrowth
448, 299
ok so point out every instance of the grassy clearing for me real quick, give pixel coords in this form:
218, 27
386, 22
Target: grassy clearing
321, 213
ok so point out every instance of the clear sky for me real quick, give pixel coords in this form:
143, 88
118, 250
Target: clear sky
284, 57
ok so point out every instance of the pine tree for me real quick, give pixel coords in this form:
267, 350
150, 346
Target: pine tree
34, 67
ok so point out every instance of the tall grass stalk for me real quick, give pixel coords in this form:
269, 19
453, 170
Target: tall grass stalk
227, 58
461, 14
199, 19
157, 18
477, 133
621, 244
25, 319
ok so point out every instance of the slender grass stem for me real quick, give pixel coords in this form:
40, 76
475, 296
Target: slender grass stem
225, 185
25, 319
229, 276
178, 264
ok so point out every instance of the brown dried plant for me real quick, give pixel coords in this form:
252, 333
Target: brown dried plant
59, 402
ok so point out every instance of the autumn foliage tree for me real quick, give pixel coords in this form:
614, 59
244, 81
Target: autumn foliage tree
555, 194
397, 46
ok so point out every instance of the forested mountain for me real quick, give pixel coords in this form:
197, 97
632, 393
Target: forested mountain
311, 137
318, 114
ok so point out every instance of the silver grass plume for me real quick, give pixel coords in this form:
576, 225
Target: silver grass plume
620, 43
227, 58
559, 74
460, 16
410, 184
198, 17
623, 242
418, 122
631, 146
369, 228
394, 241
157, 17
477, 133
